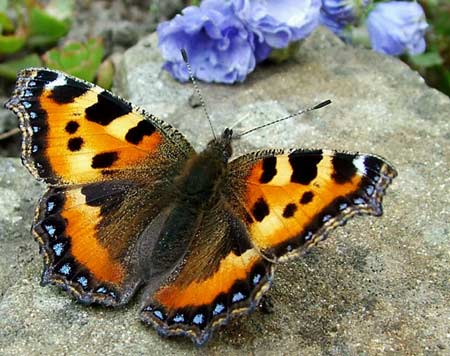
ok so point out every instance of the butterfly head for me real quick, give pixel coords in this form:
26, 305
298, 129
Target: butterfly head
221, 146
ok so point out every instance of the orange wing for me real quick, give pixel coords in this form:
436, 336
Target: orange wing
75, 132
291, 200
109, 165
222, 275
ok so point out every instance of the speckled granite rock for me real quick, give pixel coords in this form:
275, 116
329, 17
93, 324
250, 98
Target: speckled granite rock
379, 284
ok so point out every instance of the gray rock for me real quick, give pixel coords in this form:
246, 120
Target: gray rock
378, 285
7, 119
120, 23
8, 123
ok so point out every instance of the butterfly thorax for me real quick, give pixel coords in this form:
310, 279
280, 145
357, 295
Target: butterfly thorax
198, 191
199, 183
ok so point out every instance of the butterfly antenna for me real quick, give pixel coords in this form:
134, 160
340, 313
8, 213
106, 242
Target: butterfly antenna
197, 89
318, 106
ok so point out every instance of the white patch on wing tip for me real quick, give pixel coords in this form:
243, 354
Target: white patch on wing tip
358, 162
59, 81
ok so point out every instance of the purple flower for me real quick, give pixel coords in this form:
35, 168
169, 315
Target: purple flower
330, 23
336, 14
397, 27
276, 23
219, 46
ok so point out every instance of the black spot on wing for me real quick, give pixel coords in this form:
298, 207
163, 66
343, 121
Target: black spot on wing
269, 169
304, 165
72, 127
289, 210
107, 109
307, 197
75, 144
46, 76
137, 133
344, 169
104, 160
260, 210
67, 93
107, 195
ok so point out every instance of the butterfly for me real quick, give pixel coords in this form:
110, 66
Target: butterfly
130, 205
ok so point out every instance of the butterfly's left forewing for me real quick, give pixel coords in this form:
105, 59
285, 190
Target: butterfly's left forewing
291, 200
75, 132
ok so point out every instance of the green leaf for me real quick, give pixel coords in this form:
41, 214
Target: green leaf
11, 44
5, 23
9, 69
79, 59
441, 23
426, 60
45, 30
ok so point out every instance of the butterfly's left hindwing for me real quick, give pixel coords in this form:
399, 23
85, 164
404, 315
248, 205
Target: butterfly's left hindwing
291, 200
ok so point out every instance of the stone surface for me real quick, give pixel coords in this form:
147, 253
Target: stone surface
378, 285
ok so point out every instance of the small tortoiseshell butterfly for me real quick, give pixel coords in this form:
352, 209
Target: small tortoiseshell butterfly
130, 204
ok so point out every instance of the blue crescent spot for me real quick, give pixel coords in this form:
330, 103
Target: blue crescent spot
65, 269
256, 279
237, 297
58, 248
179, 318
50, 229
370, 189
50, 204
158, 314
83, 281
218, 309
198, 319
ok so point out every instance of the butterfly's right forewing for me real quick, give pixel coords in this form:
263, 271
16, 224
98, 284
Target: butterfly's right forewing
291, 200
